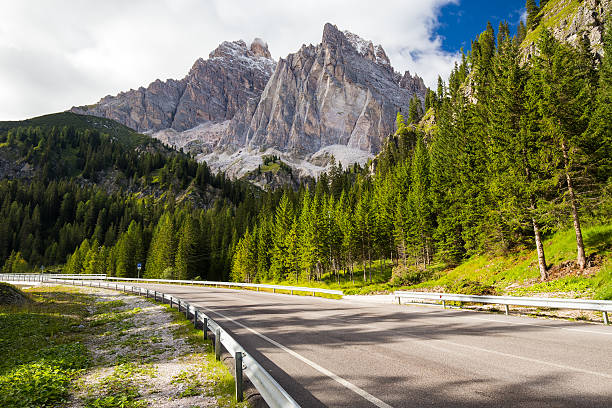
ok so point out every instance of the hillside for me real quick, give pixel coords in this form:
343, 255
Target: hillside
67, 180
569, 21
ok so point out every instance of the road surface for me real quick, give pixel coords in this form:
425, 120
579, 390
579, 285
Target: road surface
340, 353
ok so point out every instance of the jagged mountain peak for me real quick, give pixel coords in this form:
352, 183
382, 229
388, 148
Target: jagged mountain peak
239, 49
333, 38
260, 48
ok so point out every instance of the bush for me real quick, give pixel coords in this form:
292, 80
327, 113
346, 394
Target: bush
404, 275
469, 287
169, 273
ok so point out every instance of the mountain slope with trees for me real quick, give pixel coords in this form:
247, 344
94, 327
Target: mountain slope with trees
521, 151
93, 185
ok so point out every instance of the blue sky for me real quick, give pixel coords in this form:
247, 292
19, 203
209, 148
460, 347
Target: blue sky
460, 23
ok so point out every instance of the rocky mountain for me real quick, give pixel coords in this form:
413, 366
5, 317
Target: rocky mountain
213, 90
338, 98
569, 21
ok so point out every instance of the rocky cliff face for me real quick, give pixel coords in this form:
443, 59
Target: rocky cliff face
213, 90
338, 98
569, 21
340, 92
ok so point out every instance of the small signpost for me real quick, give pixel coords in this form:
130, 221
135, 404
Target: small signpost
139, 267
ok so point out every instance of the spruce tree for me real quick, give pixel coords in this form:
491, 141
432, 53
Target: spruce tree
532, 14
562, 105
188, 253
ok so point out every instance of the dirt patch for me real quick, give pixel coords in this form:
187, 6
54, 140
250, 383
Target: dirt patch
570, 268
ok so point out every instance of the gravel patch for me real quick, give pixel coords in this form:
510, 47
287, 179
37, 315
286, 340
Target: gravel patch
137, 355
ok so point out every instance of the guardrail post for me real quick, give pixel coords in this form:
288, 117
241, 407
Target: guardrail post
205, 328
187, 311
273, 290
443, 304
507, 309
171, 301
218, 344
605, 317
238, 360
292, 292
195, 318
399, 300
178, 305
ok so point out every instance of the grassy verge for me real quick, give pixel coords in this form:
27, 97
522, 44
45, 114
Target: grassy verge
42, 349
64, 346
514, 273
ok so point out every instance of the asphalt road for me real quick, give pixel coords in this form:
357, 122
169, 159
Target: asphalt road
341, 353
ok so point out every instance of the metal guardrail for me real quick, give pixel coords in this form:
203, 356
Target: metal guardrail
603, 306
270, 390
40, 277
258, 286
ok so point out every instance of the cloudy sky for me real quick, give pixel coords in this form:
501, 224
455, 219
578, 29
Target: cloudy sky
58, 53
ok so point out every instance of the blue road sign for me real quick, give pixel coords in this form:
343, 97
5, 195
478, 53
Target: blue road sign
139, 266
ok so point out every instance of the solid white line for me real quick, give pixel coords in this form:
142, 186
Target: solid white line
340, 380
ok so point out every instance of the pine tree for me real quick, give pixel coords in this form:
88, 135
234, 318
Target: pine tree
283, 221
188, 255
598, 138
532, 14
163, 248
562, 106
521, 32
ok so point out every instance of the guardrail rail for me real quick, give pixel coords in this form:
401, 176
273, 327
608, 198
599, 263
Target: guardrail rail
270, 390
31, 277
603, 306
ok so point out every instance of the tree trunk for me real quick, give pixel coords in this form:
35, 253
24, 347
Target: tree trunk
536, 232
370, 262
581, 258
364, 271
539, 245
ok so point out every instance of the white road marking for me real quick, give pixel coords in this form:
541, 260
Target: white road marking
539, 325
340, 380
426, 340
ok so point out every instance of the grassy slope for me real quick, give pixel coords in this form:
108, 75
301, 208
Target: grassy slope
518, 273
552, 15
515, 273
124, 134
41, 348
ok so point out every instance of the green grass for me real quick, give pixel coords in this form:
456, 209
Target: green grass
551, 16
221, 382
41, 348
273, 167
521, 267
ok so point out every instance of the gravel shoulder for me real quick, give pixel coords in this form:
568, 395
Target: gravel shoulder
147, 355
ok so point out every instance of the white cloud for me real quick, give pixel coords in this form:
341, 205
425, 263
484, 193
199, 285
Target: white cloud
54, 55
